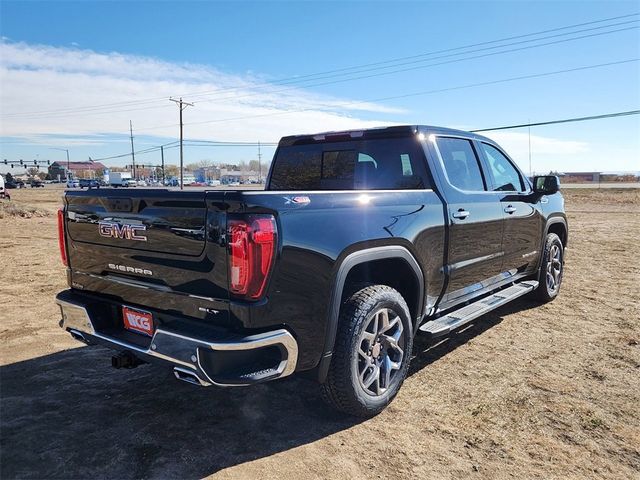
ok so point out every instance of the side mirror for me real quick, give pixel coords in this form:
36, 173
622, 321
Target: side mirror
546, 185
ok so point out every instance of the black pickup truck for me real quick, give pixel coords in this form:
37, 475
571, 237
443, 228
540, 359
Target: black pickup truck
360, 241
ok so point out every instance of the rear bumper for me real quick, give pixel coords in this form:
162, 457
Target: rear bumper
230, 360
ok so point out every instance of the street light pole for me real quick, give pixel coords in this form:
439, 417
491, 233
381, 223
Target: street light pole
68, 162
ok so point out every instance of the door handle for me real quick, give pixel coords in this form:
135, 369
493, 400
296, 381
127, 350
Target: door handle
510, 209
461, 214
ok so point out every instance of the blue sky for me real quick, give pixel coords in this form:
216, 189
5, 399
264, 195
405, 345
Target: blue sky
62, 59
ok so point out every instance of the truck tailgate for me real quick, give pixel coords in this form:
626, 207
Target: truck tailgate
150, 248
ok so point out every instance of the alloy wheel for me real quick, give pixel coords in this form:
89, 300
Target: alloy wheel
381, 348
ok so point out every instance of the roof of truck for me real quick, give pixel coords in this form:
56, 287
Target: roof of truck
379, 132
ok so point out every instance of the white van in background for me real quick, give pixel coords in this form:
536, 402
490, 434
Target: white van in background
3, 191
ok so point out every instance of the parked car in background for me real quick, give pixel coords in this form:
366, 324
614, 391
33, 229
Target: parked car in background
14, 183
89, 183
37, 183
141, 183
73, 183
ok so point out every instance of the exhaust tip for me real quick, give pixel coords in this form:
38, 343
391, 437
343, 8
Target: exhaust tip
189, 377
78, 336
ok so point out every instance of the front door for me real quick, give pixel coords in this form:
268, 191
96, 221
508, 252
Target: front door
521, 212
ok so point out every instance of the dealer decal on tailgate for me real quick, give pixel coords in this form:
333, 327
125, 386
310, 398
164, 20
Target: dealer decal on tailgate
138, 321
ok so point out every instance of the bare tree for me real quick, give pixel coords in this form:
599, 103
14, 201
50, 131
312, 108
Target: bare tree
171, 171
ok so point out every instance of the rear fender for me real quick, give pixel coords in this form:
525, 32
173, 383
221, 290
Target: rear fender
349, 262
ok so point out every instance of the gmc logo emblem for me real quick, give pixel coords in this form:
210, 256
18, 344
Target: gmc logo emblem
125, 231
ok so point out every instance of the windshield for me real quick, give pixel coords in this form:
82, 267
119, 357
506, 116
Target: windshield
379, 164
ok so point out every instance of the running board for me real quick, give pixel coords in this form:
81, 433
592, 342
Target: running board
464, 315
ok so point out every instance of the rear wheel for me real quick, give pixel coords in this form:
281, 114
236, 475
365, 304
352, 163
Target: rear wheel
552, 269
372, 352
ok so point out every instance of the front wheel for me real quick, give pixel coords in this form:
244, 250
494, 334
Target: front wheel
551, 270
372, 352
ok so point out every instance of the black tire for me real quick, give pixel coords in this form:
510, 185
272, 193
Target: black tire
551, 269
362, 317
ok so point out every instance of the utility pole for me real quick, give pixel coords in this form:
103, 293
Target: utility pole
259, 164
181, 105
133, 155
530, 170
162, 156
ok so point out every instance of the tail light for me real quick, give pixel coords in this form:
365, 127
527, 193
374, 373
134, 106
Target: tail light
61, 242
252, 245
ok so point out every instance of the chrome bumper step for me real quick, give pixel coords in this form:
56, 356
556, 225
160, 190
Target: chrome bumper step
191, 357
464, 315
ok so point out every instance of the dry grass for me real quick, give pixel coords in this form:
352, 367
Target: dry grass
528, 392
11, 209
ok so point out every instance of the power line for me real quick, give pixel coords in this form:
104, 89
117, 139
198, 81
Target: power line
187, 143
414, 94
139, 152
434, 64
246, 144
391, 72
233, 144
387, 73
504, 39
358, 68
566, 120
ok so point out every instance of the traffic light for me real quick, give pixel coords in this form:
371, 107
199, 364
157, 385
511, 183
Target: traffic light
21, 163
5, 161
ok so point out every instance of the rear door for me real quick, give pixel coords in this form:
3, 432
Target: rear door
474, 215
149, 248
521, 211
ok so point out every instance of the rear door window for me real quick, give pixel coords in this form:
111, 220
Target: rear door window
378, 164
461, 163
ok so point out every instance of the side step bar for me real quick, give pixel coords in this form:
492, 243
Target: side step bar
464, 315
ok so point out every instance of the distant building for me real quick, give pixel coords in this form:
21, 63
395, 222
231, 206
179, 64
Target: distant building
77, 170
580, 177
240, 176
187, 179
206, 174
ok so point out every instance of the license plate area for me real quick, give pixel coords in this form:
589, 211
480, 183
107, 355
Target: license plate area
138, 321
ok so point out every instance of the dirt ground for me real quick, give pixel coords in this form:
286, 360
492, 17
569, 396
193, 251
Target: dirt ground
527, 392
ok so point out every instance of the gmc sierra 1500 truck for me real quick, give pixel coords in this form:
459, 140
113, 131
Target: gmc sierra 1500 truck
360, 241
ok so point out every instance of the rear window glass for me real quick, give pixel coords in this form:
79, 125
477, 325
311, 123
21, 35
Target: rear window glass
380, 164
460, 163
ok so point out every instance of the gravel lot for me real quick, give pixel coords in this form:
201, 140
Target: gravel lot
527, 392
